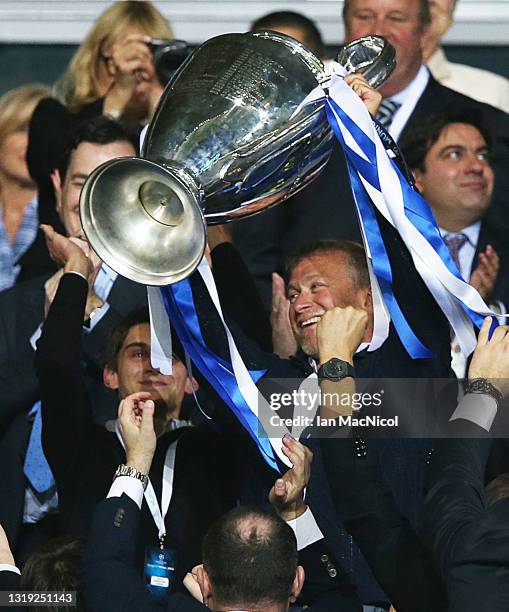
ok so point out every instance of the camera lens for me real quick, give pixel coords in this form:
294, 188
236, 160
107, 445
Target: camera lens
167, 55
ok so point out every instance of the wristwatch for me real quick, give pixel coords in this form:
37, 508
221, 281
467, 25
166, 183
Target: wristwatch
126, 470
481, 385
335, 369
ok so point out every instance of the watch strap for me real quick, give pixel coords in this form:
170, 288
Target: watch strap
482, 385
126, 470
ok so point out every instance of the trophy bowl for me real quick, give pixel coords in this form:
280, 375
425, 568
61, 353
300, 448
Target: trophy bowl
229, 139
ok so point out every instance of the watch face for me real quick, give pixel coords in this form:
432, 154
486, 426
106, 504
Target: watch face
338, 368
335, 368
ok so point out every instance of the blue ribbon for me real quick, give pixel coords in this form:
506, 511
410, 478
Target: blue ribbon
179, 304
380, 260
417, 211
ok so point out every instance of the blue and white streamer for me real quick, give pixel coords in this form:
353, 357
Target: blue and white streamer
377, 182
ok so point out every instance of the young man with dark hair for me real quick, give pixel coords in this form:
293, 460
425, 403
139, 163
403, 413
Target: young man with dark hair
28, 487
82, 455
450, 157
250, 559
22, 308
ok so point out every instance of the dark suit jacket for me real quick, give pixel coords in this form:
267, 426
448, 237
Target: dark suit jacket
325, 209
21, 312
83, 456
469, 539
9, 581
402, 462
112, 583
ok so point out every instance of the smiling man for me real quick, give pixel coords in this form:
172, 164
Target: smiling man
403, 22
450, 156
83, 455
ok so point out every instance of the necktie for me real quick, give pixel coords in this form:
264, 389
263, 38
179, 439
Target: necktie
387, 111
36, 467
454, 242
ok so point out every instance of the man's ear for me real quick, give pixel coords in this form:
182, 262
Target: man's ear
298, 583
56, 179
418, 176
204, 583
110, 378
368, 300
191, 386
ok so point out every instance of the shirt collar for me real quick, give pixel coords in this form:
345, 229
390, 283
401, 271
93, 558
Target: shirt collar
111, 274
408, 99
471, 232
414, 89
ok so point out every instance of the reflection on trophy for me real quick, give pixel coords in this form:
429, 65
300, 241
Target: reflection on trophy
229, 139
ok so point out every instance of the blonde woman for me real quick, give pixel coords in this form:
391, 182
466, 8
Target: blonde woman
18, 204
112, 71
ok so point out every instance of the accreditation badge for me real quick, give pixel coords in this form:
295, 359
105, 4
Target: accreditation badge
160, 566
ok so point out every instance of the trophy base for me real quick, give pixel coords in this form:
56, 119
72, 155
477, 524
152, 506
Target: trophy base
144, 220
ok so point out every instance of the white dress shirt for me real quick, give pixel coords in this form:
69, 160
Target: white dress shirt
408, 99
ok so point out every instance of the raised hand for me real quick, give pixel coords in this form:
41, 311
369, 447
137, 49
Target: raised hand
287, 494
136, 422
491, 357
340, 332
283, 340
484, 277
370, 96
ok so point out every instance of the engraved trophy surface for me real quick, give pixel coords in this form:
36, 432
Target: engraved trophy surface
228, 140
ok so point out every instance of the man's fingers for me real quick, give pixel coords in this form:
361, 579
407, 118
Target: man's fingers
48, 231
499, 334
278, 290
147, 415
484, 332
280, 488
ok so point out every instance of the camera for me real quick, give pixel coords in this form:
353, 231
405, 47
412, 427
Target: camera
167, 56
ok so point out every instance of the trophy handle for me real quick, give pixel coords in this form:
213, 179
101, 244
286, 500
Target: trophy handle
373, 56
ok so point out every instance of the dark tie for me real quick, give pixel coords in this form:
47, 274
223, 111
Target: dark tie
454, 243
387, 111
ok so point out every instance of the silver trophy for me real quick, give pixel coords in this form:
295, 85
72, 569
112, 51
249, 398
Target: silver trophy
229, 139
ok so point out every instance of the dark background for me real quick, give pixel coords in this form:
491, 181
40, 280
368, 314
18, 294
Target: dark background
45, 63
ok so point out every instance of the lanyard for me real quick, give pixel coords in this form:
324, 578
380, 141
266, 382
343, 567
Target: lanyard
159, 513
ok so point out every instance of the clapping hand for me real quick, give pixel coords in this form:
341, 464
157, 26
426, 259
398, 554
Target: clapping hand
287, 494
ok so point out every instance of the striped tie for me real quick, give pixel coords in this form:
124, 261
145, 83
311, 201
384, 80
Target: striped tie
454, 242
387, 111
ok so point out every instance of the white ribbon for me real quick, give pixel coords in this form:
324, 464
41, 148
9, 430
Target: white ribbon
159, 513
254, 399
445, 287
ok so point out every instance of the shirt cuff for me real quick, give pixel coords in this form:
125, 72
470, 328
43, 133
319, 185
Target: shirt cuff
306, 529
132, 487
7, 567
79, 274
97, 315
479, 408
